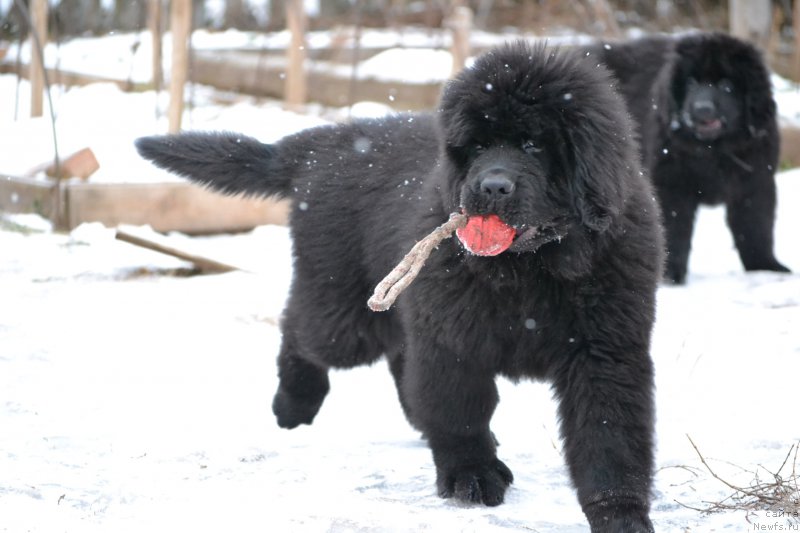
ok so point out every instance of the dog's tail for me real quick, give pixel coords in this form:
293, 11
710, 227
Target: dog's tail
226, 162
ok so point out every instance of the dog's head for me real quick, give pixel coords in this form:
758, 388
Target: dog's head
539, 138
719, 88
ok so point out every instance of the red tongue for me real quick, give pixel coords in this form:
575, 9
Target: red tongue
486, 235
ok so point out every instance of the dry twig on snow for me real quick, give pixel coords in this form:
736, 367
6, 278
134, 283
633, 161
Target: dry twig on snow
779, 495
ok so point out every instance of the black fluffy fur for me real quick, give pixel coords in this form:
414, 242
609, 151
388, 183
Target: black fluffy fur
576, 310
735, 166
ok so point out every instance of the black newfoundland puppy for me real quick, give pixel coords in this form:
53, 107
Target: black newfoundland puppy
538, 139
709, 136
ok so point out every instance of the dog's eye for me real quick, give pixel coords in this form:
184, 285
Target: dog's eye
530, 147
725, 85
479, 148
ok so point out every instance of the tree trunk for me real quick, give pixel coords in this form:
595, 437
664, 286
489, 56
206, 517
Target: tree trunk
277, 15
332, 9
238, 15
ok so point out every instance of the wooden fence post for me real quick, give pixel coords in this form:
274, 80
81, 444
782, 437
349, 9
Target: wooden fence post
796, 53
154, 24
296, 90
180, 23
751, 20
460, 24
37, 66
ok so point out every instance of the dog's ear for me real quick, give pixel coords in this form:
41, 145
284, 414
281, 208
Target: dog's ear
753, 79
602, 156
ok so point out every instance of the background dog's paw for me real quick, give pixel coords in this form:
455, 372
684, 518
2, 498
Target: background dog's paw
481, 483
675, 275
768, 264
291, 411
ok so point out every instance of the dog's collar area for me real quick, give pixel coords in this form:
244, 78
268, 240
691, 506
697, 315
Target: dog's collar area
532, 238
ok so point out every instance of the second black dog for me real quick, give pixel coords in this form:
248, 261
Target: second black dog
706, 117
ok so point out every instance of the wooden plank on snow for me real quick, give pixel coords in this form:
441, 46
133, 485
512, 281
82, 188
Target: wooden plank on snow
169, 207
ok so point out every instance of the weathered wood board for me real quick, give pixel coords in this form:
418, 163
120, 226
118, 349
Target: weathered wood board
164, 206
168, 206
258, 75
24, 195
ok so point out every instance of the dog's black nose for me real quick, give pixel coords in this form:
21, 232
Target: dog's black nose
704, 110
496, 186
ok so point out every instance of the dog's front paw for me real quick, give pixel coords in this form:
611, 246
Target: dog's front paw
475, 483
619, 515
630, 524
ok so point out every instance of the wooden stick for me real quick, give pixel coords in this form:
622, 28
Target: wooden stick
404, 273
203, 263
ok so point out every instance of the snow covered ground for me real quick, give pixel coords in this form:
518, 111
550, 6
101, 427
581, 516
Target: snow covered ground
136, 401
133, 400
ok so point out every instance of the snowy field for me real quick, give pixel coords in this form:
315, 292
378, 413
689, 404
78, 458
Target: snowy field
132, 400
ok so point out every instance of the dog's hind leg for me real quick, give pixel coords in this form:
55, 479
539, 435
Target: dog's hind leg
316, 339
303, 386
396, 361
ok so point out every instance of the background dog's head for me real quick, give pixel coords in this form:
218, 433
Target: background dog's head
710, 108
720, 87
538, 137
